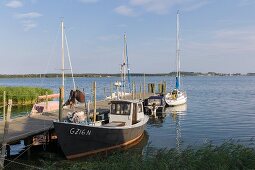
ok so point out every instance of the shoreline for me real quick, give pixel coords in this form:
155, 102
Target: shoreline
96, 75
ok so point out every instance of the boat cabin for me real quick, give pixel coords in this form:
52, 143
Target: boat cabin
154, 102
128, 112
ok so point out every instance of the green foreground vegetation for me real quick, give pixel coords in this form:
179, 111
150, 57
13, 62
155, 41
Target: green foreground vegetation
228, 156
22, 95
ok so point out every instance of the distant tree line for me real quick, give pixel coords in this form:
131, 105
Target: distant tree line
54, 75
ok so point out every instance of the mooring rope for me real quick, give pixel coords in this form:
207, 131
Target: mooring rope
29, 146
30, 166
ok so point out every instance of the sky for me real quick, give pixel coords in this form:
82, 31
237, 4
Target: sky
215, 35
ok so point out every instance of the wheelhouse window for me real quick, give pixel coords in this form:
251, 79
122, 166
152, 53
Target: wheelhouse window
120, 108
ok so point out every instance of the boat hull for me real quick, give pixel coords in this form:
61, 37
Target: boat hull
176, 102
182, 99
78, 140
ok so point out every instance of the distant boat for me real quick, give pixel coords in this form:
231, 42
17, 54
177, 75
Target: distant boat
125, 126
124, 84
154, 105
177, 96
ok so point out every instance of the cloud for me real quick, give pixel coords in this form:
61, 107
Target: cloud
28, 25
125, 10
88, 1
27, 19
29, 15
164, 6
14, 4
109, 37
195, 6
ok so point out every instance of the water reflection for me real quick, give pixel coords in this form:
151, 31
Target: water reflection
177, 113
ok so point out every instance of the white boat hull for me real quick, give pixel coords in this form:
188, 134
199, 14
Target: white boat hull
181, 99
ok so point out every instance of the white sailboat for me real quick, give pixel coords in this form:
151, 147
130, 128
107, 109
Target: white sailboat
177, 96
124, 69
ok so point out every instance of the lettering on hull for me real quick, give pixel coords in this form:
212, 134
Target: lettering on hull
77, 131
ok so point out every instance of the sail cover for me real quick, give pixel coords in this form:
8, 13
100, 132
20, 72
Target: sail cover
177, 84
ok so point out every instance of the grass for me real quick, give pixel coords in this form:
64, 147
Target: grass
229, 156
22, 94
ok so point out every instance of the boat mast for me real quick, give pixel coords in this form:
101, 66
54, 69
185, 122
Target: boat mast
62, 54
124, 65
178, 75
128, 70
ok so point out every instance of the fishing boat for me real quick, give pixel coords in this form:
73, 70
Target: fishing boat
123, 87
177, 96
78, 135
126, 125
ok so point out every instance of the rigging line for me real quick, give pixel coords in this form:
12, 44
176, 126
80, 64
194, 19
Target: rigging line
50, 56
29, 146
11, 161
68, 53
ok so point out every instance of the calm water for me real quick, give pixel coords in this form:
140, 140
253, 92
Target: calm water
218, 108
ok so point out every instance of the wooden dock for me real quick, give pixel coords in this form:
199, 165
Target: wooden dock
28, 126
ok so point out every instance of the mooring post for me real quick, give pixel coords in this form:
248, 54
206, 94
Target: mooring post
104, 92
164, 87
140, 91
133, 91
111, 89
46, 100
6, 129
28, 142
95, 100
61, 99
4, 102
144, 86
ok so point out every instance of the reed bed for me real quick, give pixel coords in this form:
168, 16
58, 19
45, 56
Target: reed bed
229, 156
22, 94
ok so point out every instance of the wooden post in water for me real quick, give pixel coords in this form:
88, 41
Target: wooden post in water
104, 92
6, 129
61, 99
47, 104
4, 102
95, 100
133, 90
9, 110
144, 86
140, 91
111, 90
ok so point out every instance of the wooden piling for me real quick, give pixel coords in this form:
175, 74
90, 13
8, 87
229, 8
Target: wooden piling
47, 104
4, 102
104, 92
95, 99
144, 86
133, 90
140, 91
6, 129
111, 89
61, 100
